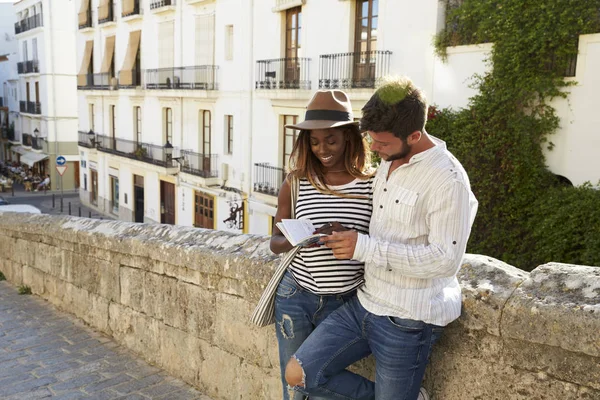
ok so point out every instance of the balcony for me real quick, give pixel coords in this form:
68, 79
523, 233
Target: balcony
203, 165
107, 11
30, 107
203, 77
37, 143
145, 152
1, 101
361, 70
28, 24
88, 19
133, 79
131, 12
84, 140
99, 81
11, 135
27, 139
283, 73
156, 4
268, 179
28, 67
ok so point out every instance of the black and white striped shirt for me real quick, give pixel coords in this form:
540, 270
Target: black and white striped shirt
316, 269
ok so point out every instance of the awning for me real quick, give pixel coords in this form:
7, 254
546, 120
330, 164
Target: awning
19, 150
128, 7
85, 63
125, 75
83, 11
103, 8
109, 50
31, 158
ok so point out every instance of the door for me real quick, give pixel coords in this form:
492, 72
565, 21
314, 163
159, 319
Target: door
292, 46
94, 192
138, 198
76, 172
205, 145
27, 91
365, 42
204, 211
167, 203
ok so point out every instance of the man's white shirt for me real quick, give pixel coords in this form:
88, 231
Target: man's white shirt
422, 218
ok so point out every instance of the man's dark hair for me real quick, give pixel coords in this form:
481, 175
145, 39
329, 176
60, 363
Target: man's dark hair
398, 106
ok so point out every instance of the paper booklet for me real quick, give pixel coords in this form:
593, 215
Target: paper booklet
299, 232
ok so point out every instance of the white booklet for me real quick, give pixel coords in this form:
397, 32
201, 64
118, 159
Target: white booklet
299, 232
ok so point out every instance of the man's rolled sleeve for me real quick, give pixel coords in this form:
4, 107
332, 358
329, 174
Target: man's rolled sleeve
365, 246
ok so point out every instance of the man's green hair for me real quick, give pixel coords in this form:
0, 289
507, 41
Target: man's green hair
394, 90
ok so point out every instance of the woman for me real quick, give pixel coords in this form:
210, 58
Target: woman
331, 162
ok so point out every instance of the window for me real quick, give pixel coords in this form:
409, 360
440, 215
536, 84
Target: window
113, 121
94, 193
168, 116
114, 194
293, 44
85, 182
229, 134
25, 57
92, 118
365, 39
229, 42
289, 138
204, 210
205, 128
34, 48
137, 122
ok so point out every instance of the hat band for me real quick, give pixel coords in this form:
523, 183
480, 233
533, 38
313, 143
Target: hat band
328, 115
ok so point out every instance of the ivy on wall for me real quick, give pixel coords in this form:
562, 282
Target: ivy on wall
526, 215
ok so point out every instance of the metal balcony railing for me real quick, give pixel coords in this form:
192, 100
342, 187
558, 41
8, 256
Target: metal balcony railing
28, 23
84, 140
353, 70
136, 79
99, 81
23, 106
26, 137
34, 107
28, 67
1, 101
202, 77
136, 10
154, 4
268, 179
204, 165
37, 143
283, 73
11, 135
111, 14
88, 18
146, 152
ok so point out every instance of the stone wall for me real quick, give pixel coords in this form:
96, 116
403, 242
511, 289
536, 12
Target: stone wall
181, 297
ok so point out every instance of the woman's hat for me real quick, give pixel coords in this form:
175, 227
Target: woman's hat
327, 109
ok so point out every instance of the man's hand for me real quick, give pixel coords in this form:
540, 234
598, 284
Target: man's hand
342, 243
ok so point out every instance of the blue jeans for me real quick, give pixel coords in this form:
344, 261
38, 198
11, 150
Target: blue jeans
401, 348
297, 313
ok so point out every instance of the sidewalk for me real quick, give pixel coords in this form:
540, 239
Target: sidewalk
45, 353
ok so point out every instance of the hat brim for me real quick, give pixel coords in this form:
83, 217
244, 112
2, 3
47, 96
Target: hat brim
320, 124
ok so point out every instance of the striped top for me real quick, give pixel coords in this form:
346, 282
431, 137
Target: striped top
422, 219
316, 269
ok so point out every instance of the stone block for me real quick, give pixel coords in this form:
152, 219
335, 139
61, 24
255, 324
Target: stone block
220, 373
486, 285
33, 278
136, 331
259, 383
180, 353
559, 306
198, 308
132, 287
232, 323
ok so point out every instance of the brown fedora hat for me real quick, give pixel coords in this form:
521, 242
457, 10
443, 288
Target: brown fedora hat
327, 109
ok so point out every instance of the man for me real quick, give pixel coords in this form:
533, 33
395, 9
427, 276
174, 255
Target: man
423, 210
45, 184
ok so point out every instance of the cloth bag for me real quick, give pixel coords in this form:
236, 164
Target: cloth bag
264, 313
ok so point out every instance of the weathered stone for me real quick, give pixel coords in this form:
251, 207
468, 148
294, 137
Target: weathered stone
559, 305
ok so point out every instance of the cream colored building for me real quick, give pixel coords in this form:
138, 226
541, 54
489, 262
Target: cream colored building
46, 125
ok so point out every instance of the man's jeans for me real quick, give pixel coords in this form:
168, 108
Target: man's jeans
297, 313
401, 348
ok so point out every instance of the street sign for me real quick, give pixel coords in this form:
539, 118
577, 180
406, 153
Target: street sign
61, 169
60, 160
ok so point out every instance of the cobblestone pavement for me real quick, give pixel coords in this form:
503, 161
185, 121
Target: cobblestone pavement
45, 353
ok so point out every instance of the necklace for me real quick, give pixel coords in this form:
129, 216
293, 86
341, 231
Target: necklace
341, 170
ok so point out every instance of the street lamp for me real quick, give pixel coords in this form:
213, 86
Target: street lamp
168, 147
36, 132
92, 137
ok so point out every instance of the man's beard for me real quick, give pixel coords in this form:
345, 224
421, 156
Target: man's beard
406, 149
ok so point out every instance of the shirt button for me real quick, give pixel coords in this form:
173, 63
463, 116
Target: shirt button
389, 269
385, 189
397, 201
381, 206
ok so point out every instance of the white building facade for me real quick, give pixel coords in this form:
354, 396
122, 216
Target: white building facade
46, 125
9, 79
218, 79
